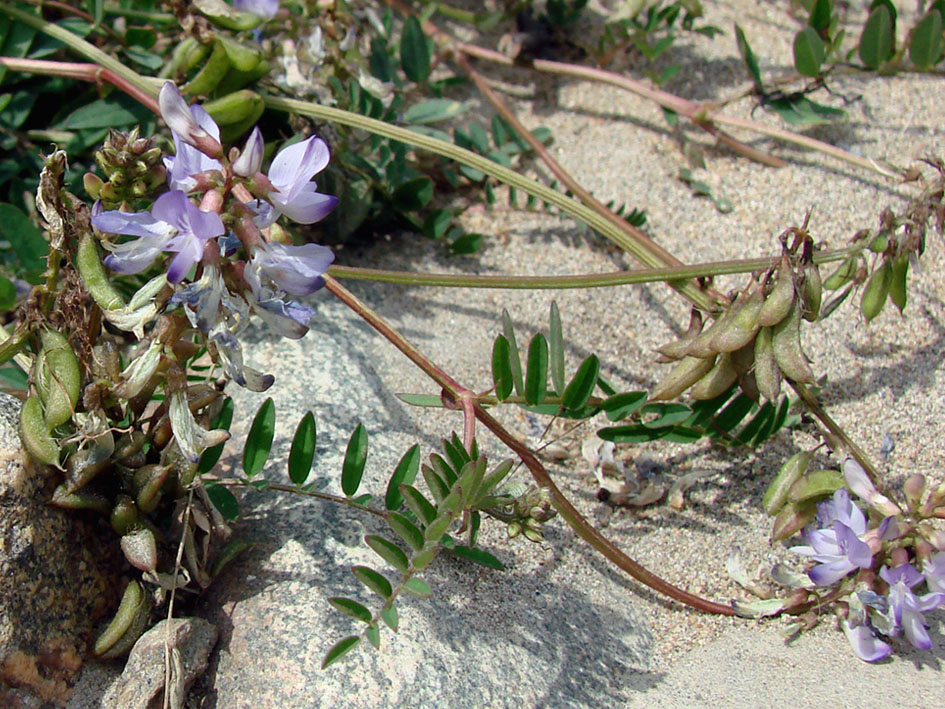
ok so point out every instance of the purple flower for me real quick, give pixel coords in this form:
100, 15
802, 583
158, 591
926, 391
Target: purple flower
864, 642
861, 485
182, 120
173, 224
905, 608
934, 571
187, 159
295, 195
263, 8
839, 552
294, 269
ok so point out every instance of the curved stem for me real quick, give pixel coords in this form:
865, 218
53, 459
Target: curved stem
454, 391
307, 493
590, 280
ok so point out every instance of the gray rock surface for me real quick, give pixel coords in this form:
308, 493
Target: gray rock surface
54, 586
141, 685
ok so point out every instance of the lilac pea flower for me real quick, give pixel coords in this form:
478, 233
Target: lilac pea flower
294, 269
188, 160
839, 551
861, 485
263, 8
905, 608
864, 642
840, 508
295, 195
174, 224
184, 122
934, 571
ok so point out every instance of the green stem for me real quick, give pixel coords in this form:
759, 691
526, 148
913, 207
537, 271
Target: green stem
592, 280
504, 174
306, 493
12, 346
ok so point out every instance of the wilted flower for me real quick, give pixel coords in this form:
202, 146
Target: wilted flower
263, 8
295, 195
173, 224
905, 608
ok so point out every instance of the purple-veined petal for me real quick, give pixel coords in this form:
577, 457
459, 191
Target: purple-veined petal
283, 318
864, 643
263, 8
929, 602
828, 574
188, 254
185, 123
914, 628
856, 551
306, 207
934, 571
294, 269
266, 214
250, 160
904, 573
132, 223
294, 166
135, 256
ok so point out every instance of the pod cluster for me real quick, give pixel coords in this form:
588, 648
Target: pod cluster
756, 342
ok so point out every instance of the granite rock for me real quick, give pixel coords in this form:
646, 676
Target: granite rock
55, 586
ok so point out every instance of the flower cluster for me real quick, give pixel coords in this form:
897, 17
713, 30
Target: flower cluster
219, 216
842, 540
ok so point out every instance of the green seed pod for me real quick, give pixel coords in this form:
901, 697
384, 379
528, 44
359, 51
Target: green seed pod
89, 264
129, 622
82, 500
778, 304
897, 288
125, 516
876, 291
749, 386
192, 53
34, 433
701, 345
879, 243
231, 133
214, 69
812, 292
792, 518
777, 493
58, 379
677, 349
222, 15
242, 58
816, 485
140, 549
234, 107
686, 373
85, 464
148, 482
742, 325
236, 80
719, 378
786, 342
767, 373
128, 445
842, 275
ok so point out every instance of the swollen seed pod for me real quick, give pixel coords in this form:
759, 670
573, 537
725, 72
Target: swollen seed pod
148, 481
214, 69
233, 108
701, 345
129, 622
82, 500
140, 549
876, 291
842, 275
812, 292
718, 379
125, 516
816, 485
792, 518
786, 343
897, 287
34, 433
58, 379
778, 304
677, 349
242, 58
742, 325
767, 372
687, 372
777, 493
83, 465
89, 264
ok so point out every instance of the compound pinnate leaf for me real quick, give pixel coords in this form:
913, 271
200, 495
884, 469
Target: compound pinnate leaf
388, 551
352, 468
339, 649
351, 608
259, 440
536, 376
302, 452
404, 474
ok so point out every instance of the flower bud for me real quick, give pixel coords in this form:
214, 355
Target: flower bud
899, 557
250, 160
913, 489
935, 537
177, 115
923, 551
93, 184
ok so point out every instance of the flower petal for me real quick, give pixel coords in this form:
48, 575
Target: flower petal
306, 207
915, 629
132, 224
294, 166
829, 574
864, 643
250, 160
295, 269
